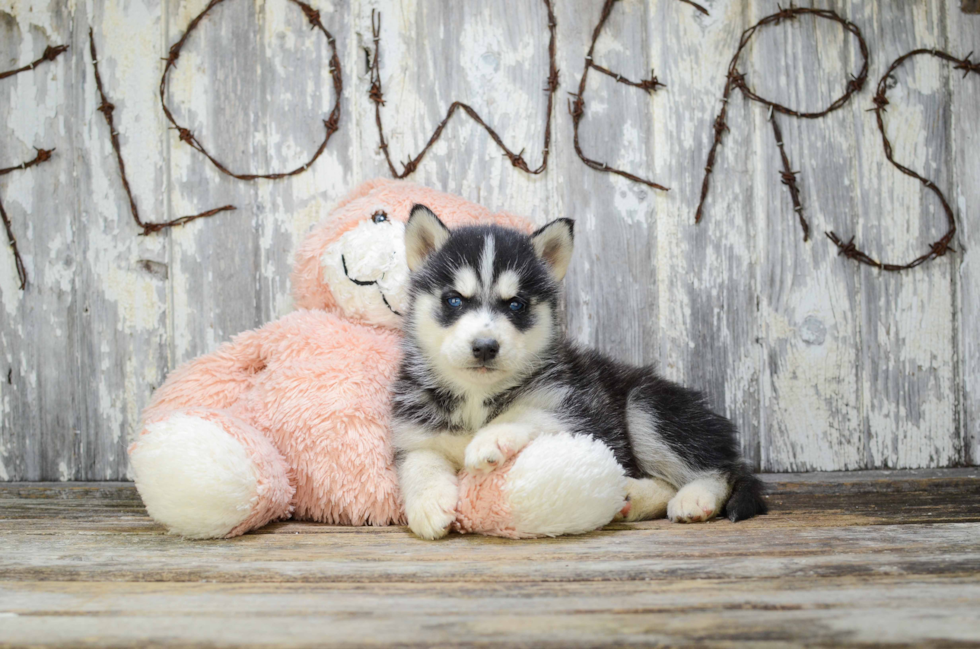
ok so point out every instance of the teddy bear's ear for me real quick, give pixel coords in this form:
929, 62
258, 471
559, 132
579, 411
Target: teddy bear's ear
553, 244
424, 234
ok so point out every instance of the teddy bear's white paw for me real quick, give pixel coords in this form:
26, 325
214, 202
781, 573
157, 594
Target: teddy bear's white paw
432, 513
495, 444
698, 501
194, 477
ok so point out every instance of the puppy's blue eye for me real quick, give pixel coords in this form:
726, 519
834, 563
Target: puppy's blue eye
454, 301
379, 217
516, 305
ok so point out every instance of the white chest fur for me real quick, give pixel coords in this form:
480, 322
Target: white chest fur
472, 414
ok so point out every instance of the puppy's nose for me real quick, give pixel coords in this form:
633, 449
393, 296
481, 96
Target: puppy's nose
485, 349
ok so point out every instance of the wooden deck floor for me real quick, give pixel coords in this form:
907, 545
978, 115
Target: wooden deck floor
867, 558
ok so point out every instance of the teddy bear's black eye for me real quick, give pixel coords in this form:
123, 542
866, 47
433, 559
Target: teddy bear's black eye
379, 217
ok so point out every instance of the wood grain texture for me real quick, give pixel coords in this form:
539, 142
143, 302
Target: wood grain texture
906, 353
964, 37
821, 363
842, 559
41, 427
612, 285
808, 309
708, 273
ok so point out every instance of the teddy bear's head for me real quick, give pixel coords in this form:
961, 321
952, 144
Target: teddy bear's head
354, 260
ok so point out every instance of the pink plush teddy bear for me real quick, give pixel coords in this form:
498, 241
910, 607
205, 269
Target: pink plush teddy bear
291, 420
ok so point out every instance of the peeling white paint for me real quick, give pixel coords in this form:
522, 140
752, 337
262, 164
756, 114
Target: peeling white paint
823, 365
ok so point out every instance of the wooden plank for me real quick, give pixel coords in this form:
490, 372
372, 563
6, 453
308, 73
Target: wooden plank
735, 306
612, 285
797, 500
840, 611
808, 297
964, 155
38, 336
907, 342
296, 95
653, 551
121, 292
215, 263
707, 273
820, 580
491, 55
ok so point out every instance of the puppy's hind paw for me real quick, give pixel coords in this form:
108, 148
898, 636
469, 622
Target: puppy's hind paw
693, 504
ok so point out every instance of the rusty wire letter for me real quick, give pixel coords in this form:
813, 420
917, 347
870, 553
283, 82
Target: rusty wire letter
43, 155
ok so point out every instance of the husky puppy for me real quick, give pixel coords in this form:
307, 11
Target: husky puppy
486, 368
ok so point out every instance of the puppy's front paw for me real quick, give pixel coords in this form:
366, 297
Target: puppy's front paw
693, 504
430, 515
494, 445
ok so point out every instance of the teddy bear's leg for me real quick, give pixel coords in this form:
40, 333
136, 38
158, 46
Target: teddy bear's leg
216, 380
207, 474
558, 484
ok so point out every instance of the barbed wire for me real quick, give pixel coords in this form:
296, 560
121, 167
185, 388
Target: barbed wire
516, 159
736, 79
51, 52
106, 107
576, 108
331, 124
938, 248
43, 155
12, 242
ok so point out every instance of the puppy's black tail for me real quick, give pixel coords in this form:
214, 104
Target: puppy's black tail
747, 499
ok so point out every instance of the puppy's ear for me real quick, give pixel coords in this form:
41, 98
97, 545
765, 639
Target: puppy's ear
424, 234
553, 244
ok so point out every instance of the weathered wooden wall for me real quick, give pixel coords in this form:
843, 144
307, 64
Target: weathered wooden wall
823, 363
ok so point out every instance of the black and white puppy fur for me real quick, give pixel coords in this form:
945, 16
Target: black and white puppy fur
486, 369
